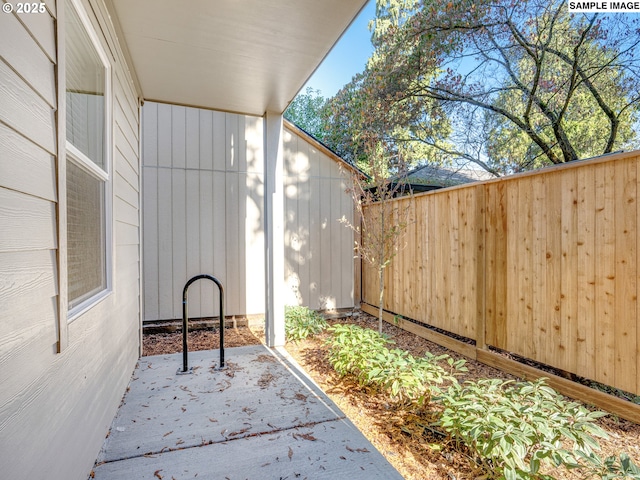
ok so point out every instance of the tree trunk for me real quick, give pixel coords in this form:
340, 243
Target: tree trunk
380, 298
381, 266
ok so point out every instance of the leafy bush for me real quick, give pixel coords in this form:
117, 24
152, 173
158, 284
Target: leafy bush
364, 354
515, 428
352, 347
613, 467
302, 322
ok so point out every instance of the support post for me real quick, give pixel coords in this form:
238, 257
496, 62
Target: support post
274, 229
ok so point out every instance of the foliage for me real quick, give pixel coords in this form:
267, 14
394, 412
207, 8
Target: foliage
351, 347
363, 353
613, 467
520, 84
517, 428
306, 112
358, 123
585, 123
301, 322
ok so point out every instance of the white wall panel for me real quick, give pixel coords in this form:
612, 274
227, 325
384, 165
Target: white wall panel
319, 248
210, 217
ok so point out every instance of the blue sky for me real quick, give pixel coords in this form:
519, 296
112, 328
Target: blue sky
348, 57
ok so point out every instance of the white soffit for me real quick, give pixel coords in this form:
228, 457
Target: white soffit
245, 56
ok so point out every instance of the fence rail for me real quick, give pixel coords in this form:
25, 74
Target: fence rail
543, 265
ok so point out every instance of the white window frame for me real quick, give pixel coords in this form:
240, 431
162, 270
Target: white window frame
73, 154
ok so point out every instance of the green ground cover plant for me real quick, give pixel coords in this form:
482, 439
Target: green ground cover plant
512, 430
515, 428
302, 322
363, 353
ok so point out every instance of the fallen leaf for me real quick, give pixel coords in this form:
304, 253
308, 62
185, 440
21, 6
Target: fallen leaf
239, 432
290, 453
157, 474
167, 434
360, 450
305, 436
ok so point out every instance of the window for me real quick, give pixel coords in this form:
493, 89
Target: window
88, 166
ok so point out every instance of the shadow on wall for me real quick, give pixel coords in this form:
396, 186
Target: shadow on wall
203, 193
318, 248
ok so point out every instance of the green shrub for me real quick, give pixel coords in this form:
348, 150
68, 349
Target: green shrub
363, 353
352, 347
515, 428
302, 322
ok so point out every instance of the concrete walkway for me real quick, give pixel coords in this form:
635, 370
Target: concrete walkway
260, 418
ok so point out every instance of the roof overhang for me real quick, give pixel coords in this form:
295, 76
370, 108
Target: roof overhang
245, 56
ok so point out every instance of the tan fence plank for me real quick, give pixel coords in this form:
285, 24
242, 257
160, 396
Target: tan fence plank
430, 274
625, 272
552, 338
501, 279
525, 267
585, 338
480, 274
605, 273
569, 270
539, 268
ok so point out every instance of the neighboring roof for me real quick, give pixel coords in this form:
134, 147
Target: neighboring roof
447, 176
243, 56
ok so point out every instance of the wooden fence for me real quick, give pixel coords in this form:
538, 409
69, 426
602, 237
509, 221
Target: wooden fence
543, 265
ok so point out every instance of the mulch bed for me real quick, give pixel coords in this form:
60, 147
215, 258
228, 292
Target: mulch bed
164, 343
404, 438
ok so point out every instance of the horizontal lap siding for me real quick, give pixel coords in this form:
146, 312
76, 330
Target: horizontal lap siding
545, 265
57, 407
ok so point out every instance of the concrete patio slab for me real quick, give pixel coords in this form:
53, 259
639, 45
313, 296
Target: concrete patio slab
259, 418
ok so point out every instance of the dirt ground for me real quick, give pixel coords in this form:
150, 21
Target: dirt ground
405, 439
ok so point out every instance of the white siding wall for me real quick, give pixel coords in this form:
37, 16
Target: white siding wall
319, 266
204, 208
55, 408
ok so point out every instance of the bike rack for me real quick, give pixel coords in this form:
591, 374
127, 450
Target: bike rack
185, 319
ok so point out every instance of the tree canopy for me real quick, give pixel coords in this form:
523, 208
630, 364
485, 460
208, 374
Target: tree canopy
306, 112
508, 85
